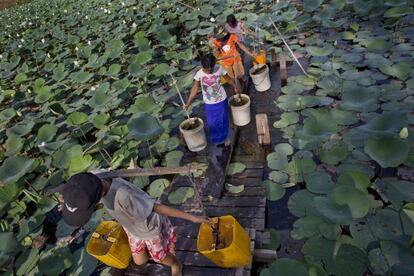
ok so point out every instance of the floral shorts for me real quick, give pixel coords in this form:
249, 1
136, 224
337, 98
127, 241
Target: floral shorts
159, 247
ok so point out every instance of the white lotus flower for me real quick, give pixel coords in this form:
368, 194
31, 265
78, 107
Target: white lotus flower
123, 21
42, 145
48, 55
109, 12
86, 17
76, 63
134, 25
65, 11
122, 3
22, 40
17, 35
1, 56
93, 88
404, 133
30, 23
89, 42
212, 19
134, 8
105, 10
43, 40
76, 48
20, 46
158, 6
109, 4
29, 91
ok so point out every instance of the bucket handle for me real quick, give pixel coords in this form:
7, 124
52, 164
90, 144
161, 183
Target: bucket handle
264, 77
96, 235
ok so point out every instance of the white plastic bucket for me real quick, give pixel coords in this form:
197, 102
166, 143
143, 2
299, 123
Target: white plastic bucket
240, 114
261, 80
194, 138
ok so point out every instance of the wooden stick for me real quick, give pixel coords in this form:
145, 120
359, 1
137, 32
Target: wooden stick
147, 171
179, 94
290, 50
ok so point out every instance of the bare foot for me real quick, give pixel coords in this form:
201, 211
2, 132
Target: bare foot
227, 142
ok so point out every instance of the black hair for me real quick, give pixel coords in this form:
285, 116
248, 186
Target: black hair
208, 61
231, 20
224, 39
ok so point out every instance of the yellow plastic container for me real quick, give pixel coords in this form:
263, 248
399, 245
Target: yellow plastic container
109, 244
234, 243
260, 57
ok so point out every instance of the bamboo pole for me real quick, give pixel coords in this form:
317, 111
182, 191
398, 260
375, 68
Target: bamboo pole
147, 171
179, 94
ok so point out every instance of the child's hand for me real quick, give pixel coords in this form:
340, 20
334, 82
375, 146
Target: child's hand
186, 107
198, 219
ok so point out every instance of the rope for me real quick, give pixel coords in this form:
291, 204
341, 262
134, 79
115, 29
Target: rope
290, 50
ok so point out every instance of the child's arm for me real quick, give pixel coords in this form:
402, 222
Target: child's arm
193, 93
244, 49
172, 212
233, 84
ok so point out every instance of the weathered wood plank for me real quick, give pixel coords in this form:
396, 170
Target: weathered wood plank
237, 201
161, 270
252, 182
249, 173
248, 191
254, 164
283, 71
240, 212
263, 133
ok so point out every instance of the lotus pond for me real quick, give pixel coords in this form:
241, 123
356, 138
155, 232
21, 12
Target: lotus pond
85, 85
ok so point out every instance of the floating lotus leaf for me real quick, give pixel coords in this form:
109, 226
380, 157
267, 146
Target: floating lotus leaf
343, 117
99, 99
306, 227
160, 70
20, 78
386, 124
378, 45
294, 88
284, 266
274, 191
294, 102
388, 152
284, 149
173, 158
330, 231
359, 99
277, 161
181, 195
20, 129
84, 264
143, 57
355, 199
311, 5
121, 84
287, 119
100, 120
8, 193
397, 12
7, 114
13, 168
13, 145
278, 177
46, 133
157, 187
81, 76
77, 160
356, 179
234, 189
301, 203
113, 70
333, 152
77, 119
236, 167
299, 168
59, 73
8, 247
398, 70
144, 127
396, 191
319, 182
356, 166
27, 261
328, 208
320, 51
54, 261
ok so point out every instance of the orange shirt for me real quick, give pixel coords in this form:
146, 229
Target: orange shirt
229, 49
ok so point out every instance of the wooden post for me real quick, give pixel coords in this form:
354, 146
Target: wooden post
283, 71
147, 171
262, 126
273, 57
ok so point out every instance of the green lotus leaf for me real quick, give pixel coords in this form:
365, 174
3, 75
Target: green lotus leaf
144, 104
274, 191
99, 99
81, 76
144, 127
20, 78
355, 199
356, 166
173, 158
333, 152
181, 195
306, 227
277, 161
378, 262
121, 84
294, 88
295, 102
55, 260
20, 129
84, 264
301, 203
330, 231
160, 70
278, 177
397, 12
58, 108
328, 208
43, 95
8, 247
236, 167
388, 152
77, 119
234, 189
136, 70
27, 261
157, 187
298, 168
59, 73
287, 119
311, 5
7, 114
143, 57
319, 182
13, 168
99, 121
46, 133
378, 45
386, 124
77, 160
284, 266
359, 99
320, 51
397, 191
50, 148
359, 180
344, 117
398, 70
113, 70
284, 149
13, 145
8, 193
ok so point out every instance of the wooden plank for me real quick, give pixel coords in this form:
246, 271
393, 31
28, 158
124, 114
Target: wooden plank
273, 57
237, 201
251, 173
264, 255
283, 71
194, 259
186, 244
162, 270
241, 212
263, 132
251, 182
254, 164
248, 191
246, 158
256, 223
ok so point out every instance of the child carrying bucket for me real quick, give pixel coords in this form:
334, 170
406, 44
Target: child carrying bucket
229, 55
150, 232
214, 97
